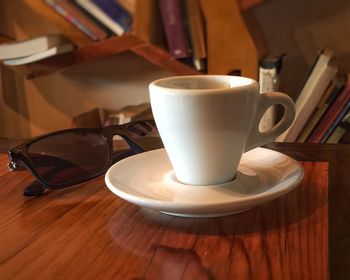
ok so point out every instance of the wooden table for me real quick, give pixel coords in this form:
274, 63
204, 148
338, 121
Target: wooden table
86, 232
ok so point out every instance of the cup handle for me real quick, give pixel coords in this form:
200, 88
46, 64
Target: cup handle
266, 100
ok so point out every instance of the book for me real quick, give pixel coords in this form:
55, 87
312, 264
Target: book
332, 116
321, 74
61, 49
76, 17
186, 27
109, 13
340, 130
172, 19
130, 113
197, 33
334, 125
334, 88
16, 49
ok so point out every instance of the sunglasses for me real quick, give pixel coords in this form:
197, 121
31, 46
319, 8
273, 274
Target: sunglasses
72, 156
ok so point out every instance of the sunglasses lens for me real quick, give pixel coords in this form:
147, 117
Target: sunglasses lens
69, 157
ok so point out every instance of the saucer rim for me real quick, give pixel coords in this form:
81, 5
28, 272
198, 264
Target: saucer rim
154, 203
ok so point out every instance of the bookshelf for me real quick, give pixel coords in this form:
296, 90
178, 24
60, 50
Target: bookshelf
89, 51
109, 74
146, 40
54, 87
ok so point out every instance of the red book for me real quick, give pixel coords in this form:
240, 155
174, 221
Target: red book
331, 115
170, 11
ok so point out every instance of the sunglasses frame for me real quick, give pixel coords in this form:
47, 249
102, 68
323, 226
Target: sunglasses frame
20, 159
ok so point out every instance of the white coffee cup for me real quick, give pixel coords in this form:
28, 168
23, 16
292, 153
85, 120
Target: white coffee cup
206, 123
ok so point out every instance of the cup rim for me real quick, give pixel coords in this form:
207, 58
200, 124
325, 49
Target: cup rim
248, 83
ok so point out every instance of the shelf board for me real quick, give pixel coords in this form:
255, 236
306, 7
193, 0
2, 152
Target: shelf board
104, 49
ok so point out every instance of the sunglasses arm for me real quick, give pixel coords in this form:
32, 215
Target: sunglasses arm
34, 189
15, 166
134, 146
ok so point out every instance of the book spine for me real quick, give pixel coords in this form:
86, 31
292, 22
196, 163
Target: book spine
170, 11
60, 49
197, 33
186, 27
331, 115
310, 95
335, 123
116, 12
84, 18
57, 6
341, 129
312, 122
327, 99
23, 48
101, 16
336, 135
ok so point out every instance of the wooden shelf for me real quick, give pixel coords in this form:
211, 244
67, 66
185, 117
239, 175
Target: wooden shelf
88, 51
104, 49
144, 31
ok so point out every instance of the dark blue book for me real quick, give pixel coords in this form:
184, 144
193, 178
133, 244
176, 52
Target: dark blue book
116, 12
109, 13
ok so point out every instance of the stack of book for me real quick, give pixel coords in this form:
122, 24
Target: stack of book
34, 49
322, 107
183, 24
97, 19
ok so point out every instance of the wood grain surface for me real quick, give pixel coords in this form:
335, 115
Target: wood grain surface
87, 232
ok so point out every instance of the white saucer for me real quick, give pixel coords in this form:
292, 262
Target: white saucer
148, 180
